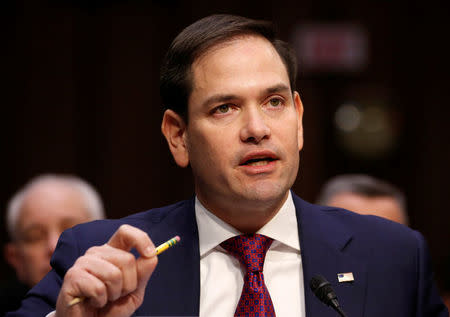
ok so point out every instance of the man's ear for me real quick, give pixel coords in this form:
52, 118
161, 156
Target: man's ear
174, 129
11, 255
299, 108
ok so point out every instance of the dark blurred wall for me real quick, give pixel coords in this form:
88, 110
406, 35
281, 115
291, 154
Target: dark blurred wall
81, 96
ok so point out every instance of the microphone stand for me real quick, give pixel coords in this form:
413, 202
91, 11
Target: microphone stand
337, 307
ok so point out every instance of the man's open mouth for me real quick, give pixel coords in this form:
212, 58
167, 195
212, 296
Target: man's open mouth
258, 161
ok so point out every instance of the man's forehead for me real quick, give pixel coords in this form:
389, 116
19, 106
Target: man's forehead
225, 63
225, 43
58, 200
244, 44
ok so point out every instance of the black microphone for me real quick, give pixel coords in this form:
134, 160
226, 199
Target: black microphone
323, 290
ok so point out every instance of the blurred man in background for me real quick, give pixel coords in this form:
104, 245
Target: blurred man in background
365, 194
36, 215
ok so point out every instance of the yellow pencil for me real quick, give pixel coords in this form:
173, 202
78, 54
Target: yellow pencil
163, 247
159, 249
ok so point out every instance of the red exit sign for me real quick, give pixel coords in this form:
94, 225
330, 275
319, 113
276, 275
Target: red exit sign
331, 47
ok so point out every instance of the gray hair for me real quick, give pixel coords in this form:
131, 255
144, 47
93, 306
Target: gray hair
360, 184
91, 198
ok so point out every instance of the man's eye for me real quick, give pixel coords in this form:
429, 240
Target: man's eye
275, 102
223, 108
34, 237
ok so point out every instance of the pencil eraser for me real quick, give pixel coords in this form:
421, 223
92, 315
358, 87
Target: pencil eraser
177, 238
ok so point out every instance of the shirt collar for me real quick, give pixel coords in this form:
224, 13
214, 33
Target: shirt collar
213, 231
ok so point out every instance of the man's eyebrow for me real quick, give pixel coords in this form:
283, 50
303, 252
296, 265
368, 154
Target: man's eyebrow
277, 89
221, 98
32, 226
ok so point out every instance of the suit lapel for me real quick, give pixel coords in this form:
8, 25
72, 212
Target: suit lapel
327, 248
177, 276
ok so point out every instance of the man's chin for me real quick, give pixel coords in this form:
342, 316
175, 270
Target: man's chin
266, 193
43, 273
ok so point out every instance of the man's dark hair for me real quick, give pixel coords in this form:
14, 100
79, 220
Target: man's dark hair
360, 184
196, 39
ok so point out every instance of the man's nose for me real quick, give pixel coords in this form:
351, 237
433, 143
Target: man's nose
255, 128
52, 241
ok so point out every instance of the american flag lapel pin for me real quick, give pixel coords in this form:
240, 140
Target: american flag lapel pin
345, 277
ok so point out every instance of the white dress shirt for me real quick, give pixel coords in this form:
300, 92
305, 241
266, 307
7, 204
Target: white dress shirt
222, 276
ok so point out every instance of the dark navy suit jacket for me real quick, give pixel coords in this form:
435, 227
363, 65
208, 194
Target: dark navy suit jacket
390, 263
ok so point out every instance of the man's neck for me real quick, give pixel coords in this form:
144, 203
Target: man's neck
245, 216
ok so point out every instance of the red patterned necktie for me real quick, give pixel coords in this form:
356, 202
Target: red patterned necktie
251, 250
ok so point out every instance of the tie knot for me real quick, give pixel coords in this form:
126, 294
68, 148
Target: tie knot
249, 249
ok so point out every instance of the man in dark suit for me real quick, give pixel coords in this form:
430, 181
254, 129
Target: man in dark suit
248, 244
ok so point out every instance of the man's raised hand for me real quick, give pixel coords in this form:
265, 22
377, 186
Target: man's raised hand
111, 279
